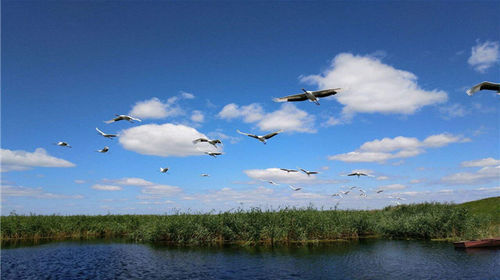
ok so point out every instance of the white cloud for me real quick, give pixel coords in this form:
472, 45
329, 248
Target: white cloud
19, 191
22, 160
163, 140
484, 175
373, 87
129, 182
187, 95
150, 189
78, 181
382, 178
288, 117
398, 147
197, 116
331, 121
392, 187
453, 111
484, 55
106, 187
154, 108
250, 113
282, 177
481, 162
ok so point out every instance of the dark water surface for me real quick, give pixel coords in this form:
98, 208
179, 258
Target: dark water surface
366, 259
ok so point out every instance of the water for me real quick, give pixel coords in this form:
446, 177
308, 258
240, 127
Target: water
369, 259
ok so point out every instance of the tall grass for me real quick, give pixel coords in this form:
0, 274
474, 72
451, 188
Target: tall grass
285, 225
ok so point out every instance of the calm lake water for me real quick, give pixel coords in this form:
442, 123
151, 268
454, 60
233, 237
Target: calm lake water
366, 259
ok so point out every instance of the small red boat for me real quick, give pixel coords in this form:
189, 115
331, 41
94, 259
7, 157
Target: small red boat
490, 242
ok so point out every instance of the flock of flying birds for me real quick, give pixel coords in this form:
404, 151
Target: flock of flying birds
312, 96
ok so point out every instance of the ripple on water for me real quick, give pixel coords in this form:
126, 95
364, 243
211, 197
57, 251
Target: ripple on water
372, 259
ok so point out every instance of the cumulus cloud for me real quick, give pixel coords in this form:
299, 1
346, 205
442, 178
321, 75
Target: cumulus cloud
371, 86
481, 162
484, 175
149, 189
187, 95
392, 187
22, 160
19, 191
279, 176
106, 187
484, 55
288, 117
398, 147
453, 111
154, 108
197, 116
163, 140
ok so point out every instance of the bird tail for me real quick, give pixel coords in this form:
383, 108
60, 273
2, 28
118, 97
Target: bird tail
110, 121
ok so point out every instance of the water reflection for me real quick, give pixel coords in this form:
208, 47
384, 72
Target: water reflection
363, 259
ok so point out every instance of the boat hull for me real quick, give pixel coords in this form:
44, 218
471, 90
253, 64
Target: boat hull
490, 242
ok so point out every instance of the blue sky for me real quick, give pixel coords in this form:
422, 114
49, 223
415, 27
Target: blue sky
206, 69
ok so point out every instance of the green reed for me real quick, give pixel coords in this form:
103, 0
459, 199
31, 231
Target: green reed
270, 226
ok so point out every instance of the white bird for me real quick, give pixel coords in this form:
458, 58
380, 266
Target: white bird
204, 175
309, 172
337, 194
213, 154
103, 150
311, 95
262, 138
109, 136
213, 142
163, 170
123, 117
363, 193
272, 183
397, 202
345, 192
484, 86
294, 188
289, 170
357, 173
352, 188
63, 144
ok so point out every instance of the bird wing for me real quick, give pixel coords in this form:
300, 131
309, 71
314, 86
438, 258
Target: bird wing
352, 174
247, 134
110, 121
490, 86
199, 140
483, 85
292, 98
267, 136
98, 130
326, 92
313, 172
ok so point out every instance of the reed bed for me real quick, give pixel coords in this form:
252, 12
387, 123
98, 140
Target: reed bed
257, 226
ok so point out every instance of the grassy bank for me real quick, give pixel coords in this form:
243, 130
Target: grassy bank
419, 221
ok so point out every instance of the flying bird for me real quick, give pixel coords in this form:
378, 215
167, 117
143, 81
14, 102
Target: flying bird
345, 192
379, 191
294, 188
204, 175
63, 144
337, 194
289, 170
363, 193
103, 150
123, 117
213, 142
261, 138
309, 172
272, 183
357, 174
213, 154
308, 95
484, 86
109, 136
163, 170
